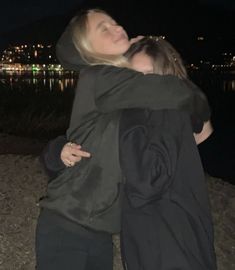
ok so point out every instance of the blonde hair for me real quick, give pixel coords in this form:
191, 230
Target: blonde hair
82, 44
166, 60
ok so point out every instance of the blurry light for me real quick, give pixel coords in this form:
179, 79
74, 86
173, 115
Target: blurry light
200, 38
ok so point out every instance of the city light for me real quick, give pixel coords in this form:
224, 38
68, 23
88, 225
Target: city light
41, 57
200, 38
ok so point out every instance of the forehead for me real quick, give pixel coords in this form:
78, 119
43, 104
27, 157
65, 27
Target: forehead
142, 62
141, 58
95, 19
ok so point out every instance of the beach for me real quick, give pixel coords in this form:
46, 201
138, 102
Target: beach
23, 182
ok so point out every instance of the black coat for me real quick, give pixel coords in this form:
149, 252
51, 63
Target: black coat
166, 221
89, 193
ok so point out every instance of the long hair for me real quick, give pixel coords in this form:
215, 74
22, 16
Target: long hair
166, 60
82, 44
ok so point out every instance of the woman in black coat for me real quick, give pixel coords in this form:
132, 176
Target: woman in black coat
166, 219
85, 199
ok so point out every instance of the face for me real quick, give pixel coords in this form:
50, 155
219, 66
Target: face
142, 62
106, 36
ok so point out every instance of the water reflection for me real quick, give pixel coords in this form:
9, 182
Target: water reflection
62, 80
40, 80
229, 85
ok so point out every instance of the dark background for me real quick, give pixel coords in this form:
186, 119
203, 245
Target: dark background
180, 21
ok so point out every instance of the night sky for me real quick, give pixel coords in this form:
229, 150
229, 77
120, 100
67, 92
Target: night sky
16, 13
180, 19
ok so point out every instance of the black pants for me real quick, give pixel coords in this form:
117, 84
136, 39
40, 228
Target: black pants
59, 248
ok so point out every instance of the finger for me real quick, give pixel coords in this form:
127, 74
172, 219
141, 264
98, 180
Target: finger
69, 163
72, 153
75, 149
82, 153
75, 152
72, 145
75, 159
75, 146
66, 156
135, 39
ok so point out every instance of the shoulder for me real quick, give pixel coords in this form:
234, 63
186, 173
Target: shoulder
108, 71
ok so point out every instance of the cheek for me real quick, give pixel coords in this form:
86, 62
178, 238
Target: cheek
136, 65
101, 45
142, 66
98, 45
109, 47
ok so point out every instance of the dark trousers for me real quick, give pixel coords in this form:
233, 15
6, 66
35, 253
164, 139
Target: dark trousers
59, 248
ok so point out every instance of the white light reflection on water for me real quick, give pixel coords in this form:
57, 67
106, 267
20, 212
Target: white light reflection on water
40, 80
62, 80
229, 85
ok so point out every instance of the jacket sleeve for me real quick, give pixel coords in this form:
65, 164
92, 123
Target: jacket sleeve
50, 157
119, 88
148, 159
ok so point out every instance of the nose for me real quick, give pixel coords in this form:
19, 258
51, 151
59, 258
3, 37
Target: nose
118, 28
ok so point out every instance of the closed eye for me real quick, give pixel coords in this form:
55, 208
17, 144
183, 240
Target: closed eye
104, 28
113, 22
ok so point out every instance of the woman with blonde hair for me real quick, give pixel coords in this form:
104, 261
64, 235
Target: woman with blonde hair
81, 208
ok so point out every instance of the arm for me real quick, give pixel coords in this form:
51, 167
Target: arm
205, 133
118, 88
50, 157
59, 154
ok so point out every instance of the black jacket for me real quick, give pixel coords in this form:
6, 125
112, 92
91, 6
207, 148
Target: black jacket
166, 220
89, 193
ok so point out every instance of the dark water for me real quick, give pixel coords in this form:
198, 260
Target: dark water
217, 152
36, 104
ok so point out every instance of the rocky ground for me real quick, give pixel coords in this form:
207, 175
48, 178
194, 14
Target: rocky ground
23, 183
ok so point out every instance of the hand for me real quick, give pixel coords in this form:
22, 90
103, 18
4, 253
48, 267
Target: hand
72, 153
205, 133
135, 39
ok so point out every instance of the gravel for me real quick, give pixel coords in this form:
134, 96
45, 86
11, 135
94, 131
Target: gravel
23, 182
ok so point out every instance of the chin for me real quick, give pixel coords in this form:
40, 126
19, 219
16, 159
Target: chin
124, 47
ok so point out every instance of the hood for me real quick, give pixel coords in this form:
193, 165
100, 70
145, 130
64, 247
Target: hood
66, 52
